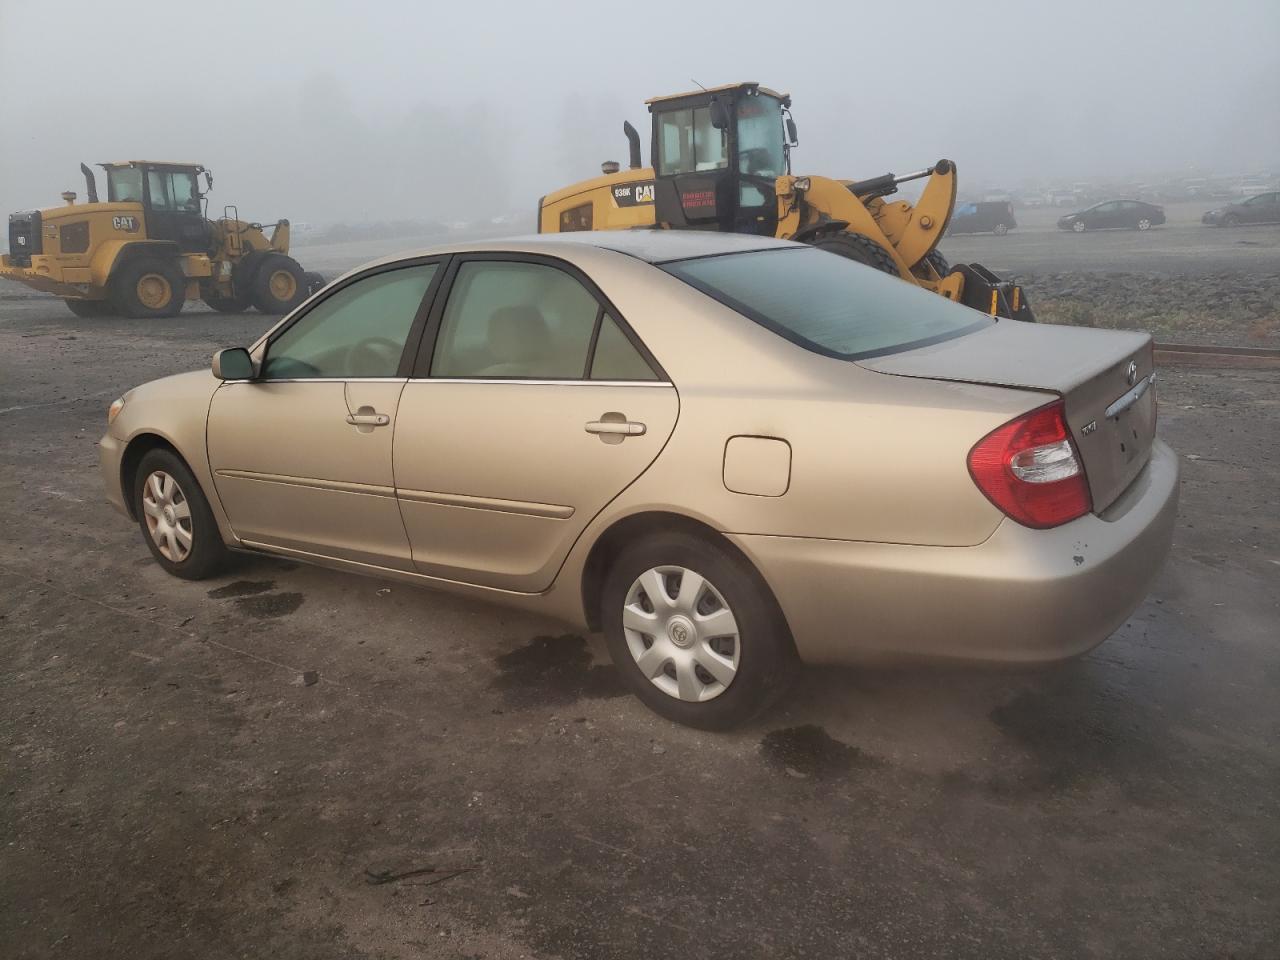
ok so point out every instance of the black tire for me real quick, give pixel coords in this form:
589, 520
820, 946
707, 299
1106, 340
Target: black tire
207, 553
90, 308
142, 275
936, 260
766, 654
315, 281
226, 304
278, 285
856, 247
1231, 220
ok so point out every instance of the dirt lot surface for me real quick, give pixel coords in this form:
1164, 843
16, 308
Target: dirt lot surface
172, 786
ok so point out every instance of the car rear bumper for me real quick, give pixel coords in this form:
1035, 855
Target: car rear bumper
110, 452
1022, 596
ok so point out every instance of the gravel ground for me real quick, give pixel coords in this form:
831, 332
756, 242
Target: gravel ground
174, 787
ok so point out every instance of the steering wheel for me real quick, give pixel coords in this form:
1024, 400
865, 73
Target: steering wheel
374, 357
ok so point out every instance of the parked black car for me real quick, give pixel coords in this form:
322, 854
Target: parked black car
1264, 208
991, 217
1125, 214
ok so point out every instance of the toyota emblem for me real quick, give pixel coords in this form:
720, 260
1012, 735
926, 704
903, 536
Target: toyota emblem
1131, 374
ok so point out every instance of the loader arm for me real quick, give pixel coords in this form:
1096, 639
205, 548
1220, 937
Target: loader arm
914, 230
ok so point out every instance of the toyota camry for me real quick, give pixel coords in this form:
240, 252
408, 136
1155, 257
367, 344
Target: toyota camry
729, 454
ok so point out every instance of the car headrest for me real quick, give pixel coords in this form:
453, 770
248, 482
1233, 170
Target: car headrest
518, 333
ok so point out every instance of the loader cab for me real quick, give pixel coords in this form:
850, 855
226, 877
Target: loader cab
170, 197
716, 156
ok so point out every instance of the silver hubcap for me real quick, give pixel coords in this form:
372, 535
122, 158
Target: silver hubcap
682, 634
168, 516
1144, 224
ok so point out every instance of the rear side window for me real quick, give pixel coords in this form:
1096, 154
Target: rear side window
521, 320
616, 358
827, 303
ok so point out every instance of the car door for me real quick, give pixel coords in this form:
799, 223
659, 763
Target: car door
301, 455
532, 406
1103, 215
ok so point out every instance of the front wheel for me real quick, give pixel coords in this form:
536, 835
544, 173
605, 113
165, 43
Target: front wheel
1078, 226
176, 520
279, 285
1000, 229
859, 248
694, 632
1144, 224
1231, 220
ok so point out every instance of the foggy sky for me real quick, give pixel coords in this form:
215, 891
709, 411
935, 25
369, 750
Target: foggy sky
376, 110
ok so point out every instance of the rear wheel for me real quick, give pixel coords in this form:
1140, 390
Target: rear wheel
1144, 224
90, 308
148, 288
694, 632
1000, 229
856, 247
176, 520
279, 285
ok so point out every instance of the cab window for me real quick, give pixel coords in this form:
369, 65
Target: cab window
124, 185
688, 143
359, 331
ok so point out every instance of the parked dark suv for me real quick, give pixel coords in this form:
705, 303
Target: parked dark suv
994, 217
1122, 214
1264, 208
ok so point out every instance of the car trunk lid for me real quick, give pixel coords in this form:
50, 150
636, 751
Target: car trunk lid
1105, 378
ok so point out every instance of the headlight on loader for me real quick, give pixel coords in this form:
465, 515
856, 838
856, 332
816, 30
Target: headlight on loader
114, 410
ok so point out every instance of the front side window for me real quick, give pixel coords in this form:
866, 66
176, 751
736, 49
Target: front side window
359, 331
688, 143
827, 303
158, 190
760, 152
182, 188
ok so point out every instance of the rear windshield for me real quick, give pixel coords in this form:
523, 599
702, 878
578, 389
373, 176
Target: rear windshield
827, 303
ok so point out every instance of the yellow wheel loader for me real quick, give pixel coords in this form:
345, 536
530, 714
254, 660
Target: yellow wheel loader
150, 247
721, 160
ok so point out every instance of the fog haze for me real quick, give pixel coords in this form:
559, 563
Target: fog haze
325, 111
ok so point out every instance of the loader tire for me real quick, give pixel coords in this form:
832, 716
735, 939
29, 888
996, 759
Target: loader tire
226, 304
860, 249
936, 260
90, 308
278, 285
149, 288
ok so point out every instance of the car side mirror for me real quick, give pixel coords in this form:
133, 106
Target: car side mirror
719, 114
234, 363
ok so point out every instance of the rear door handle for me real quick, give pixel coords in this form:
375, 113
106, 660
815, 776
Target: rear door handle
622, 428
368, 419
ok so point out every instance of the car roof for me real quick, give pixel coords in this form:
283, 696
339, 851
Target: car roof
662, 246
651, 246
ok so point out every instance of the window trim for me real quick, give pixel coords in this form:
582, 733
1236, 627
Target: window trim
412, 342
421, 368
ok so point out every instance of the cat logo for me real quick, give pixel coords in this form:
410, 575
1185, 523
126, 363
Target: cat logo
633, 194
127, 224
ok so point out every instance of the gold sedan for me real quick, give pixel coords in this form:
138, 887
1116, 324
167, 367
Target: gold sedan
730, 454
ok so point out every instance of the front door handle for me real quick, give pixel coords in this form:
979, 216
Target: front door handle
368, 419
614, 428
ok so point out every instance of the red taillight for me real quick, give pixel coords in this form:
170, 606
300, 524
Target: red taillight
1031, 470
